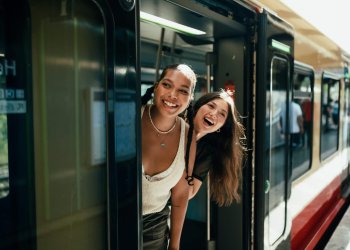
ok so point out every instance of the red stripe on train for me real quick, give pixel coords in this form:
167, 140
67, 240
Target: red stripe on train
311, 223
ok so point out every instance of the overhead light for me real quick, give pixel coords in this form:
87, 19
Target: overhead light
169, 24
280, 46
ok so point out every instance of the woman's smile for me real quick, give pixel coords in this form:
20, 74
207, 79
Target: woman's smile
210, 117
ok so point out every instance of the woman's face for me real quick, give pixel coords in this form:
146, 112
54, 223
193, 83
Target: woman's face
211, 116
173, 93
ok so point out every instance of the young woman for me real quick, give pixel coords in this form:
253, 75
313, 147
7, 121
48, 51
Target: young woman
220, 147
163, 158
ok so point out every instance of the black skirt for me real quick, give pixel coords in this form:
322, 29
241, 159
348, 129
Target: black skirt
156, 230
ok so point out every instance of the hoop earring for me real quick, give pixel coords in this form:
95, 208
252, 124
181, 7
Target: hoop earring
218, 131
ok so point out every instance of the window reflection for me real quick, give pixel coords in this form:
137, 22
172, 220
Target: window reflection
4, 171
346, 117
300, 149
330, 116
70, 125
276, 150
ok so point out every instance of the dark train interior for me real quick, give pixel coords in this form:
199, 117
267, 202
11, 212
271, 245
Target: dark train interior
218, 53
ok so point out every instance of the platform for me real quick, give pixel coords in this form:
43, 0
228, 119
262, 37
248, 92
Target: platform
340, 239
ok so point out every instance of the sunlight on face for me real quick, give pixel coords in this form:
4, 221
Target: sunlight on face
173, 93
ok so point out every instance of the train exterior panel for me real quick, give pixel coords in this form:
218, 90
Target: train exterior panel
71, 76
318, 195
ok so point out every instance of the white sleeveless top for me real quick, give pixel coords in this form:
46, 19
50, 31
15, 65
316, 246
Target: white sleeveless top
156, 189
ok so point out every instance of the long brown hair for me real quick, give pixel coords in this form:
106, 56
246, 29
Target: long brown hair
225, 176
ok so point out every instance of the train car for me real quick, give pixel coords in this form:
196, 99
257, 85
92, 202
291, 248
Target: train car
71, 76
320, 172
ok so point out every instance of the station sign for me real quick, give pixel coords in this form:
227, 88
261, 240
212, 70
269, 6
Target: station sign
12, 101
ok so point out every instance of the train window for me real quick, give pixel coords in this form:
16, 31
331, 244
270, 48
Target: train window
330, 115
4, 170
301, 126
277, 153
69, 86
346, 118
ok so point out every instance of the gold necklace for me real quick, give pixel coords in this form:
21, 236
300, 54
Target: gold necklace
160, 132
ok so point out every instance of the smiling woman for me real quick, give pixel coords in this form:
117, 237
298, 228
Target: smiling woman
210, 117
163, 158
216, 122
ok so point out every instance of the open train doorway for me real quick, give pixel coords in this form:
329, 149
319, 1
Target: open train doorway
215, 39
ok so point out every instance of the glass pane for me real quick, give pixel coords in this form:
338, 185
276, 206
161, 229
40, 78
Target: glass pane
4, 170
301, 125
346, 118
330, 116
277, 130
70, 126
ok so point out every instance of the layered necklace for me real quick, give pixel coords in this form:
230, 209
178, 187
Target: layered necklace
160, 132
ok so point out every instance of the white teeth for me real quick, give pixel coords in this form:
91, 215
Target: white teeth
210, 122
170, 104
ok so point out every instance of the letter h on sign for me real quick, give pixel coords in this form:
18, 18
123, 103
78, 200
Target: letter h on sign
7, 67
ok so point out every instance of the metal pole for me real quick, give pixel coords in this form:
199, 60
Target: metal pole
210, 60
210, 243
159, 54
208, 208
208, 78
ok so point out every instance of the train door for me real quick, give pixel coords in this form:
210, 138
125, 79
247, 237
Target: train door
69, 126
274, 120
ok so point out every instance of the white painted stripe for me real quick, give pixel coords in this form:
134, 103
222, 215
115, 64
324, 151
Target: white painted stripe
305, 191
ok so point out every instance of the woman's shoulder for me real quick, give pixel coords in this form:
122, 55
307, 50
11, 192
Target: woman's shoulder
204, 151
182, 121
143, 108
204, 160
204, 145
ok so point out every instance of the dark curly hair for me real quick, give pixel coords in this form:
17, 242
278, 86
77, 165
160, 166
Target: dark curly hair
187, 71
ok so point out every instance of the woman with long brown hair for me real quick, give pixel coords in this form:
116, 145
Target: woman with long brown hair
220, 147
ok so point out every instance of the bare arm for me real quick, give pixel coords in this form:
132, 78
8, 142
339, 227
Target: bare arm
193, 189
179, 201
